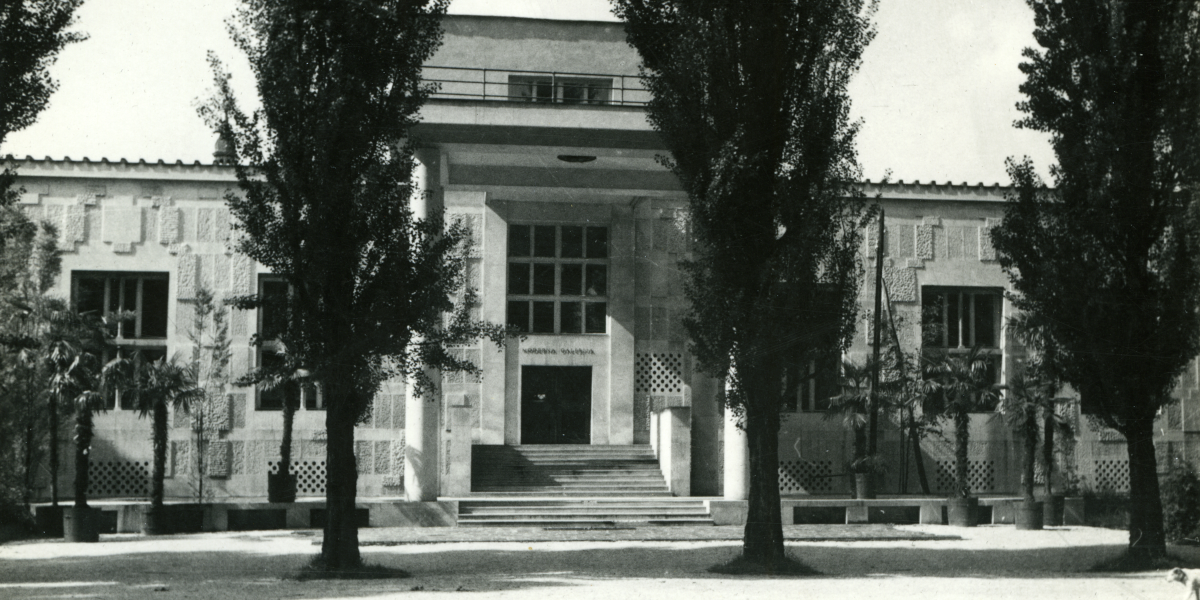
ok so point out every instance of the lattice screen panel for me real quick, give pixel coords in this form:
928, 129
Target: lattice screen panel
1112, 475
981, 476
805, 477
118, 478
658, 373
310, 476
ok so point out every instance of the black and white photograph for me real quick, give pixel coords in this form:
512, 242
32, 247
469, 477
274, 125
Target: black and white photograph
671, 299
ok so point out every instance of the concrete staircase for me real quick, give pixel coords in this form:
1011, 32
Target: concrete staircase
572, 486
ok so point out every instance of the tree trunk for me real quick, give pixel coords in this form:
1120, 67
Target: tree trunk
83, 443
30, 426
285, 445
763, 542
1048, 447
339, 549
962, 436
1029, 430
916, 446
160, 454
1146, 535
53, 449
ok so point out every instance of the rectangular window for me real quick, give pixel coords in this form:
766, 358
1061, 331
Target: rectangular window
960, 318
272, 322
558, 278
559, 88
144, 296
956, 320
142, 336
818, 383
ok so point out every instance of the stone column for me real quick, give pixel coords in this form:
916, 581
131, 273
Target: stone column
737, 460
421, 412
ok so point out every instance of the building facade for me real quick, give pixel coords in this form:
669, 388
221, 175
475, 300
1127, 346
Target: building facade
537, 140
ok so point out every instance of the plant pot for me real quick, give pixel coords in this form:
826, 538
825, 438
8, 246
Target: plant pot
80, 524
156, 521
1053, 511
864, 486
49, 520
1029, 515
962, 512
281, 488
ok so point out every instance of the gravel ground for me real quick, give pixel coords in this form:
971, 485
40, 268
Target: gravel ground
854, 561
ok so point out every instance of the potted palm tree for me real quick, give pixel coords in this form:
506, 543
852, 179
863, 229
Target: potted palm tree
282, 375
852, 405
71, 355
1028, 393
158, 385
959, 385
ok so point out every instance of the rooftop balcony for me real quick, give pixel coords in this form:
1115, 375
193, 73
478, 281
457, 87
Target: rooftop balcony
544, 87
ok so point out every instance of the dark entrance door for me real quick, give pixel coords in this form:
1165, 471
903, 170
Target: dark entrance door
556, 405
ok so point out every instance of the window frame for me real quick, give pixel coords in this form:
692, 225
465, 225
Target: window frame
311, 396
994, 354
597, 91
114, 281
588, 266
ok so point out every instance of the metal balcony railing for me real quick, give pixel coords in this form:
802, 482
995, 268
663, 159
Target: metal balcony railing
509, 85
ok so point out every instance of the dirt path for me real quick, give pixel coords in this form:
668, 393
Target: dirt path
988, 562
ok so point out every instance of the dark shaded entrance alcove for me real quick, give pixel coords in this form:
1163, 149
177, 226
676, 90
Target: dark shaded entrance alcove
556, 405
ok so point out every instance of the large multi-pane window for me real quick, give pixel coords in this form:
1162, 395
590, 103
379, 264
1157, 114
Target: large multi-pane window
957, 320
558, 88
817, 385
272, 322
141, 336
558, 278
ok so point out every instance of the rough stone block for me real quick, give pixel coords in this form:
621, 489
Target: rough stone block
237, 410
383, 457
180, 457
222, 227
243, 275
217, 459
987, 252
362, 456
206, 222
382, 411
901, 283
168, 225
188, 273
218, 412
239, 322
237, 465
75, 227
256, 457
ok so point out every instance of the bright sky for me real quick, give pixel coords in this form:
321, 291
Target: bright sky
936, 91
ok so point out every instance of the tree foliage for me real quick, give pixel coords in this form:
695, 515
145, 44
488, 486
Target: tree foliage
32, 33
1106, 262
325, 171
750, 98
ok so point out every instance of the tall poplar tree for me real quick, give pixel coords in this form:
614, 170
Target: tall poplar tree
750, 98
1107, 262
32, 33
326, 183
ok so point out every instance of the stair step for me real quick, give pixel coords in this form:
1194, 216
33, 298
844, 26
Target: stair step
581, 522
